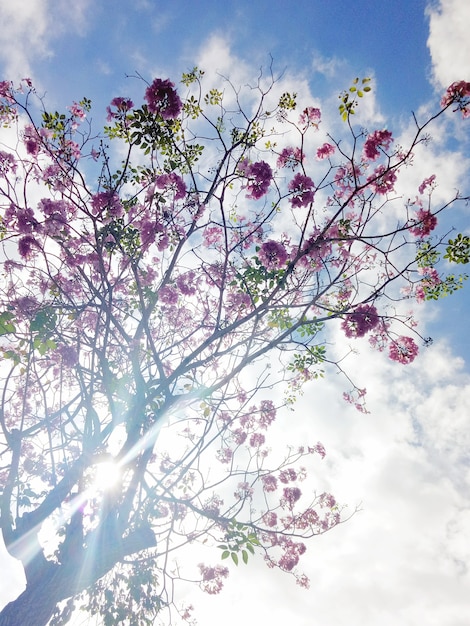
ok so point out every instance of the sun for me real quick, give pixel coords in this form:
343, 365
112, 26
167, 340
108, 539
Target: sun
106, 475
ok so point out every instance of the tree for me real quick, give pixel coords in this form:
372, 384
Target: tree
150, 272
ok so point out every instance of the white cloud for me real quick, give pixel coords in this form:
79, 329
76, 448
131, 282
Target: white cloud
448, 42
28, 29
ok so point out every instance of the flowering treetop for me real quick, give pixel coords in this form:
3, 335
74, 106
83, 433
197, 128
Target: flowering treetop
135, 299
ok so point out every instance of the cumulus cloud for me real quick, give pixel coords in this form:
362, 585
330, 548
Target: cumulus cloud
448, 42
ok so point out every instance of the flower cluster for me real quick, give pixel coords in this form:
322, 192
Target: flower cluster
172, 183
424, 223
310, 117
303, 190
325, 151
290, 157
121, 106
272, 255
212, 578
458, 92
163, 100
378, 139
259, 178
382, 180
107, 201
403, 350
362, 320
427, 182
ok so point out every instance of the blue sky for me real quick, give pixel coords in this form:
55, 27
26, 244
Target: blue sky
405, 558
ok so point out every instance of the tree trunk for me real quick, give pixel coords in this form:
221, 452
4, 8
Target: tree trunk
50, 583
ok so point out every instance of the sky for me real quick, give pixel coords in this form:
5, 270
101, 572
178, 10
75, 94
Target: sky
405, 557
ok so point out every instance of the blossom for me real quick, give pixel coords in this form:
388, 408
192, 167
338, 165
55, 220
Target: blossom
383, 179
168, 295
362, 320
378, 139
186, 283
107, 200
303, 190
257, 440
427, 182
163, 100
290, 157
212, 582
26, 245
325, 151
212, 235
287, 475
6, 91
122, 105
267, 413
458, 92
403, 350
424, 223
172, 183
270, 519
7, 163
310, 117
269, 482
272, 254
290, 496
259, 178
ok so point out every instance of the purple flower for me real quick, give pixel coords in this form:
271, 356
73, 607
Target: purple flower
361, 321
259, 178
122, 105
172, 182
272, 255
379, 138
303, 190
107, 200
163, 100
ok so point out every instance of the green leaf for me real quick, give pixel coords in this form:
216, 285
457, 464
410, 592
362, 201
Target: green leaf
225, 554
234, 558
6, 325
245, 556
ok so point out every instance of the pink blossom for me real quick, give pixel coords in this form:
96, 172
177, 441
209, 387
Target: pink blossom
163, 100
325, 151
259, 177
6, 91
458, 92
270, 519
172, 183
77, 111
310, 117
212, 235
238, 300
224, 455
287, 475
212, 578
403, 350
68, 355
424, 223
378, 139
168, 295
272, 254
267, 414
186, 283
109, 201
7, 163
362, 320
382, 180
427, 182
290, 496
269, 482
257, 440
303, 190
290, 157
